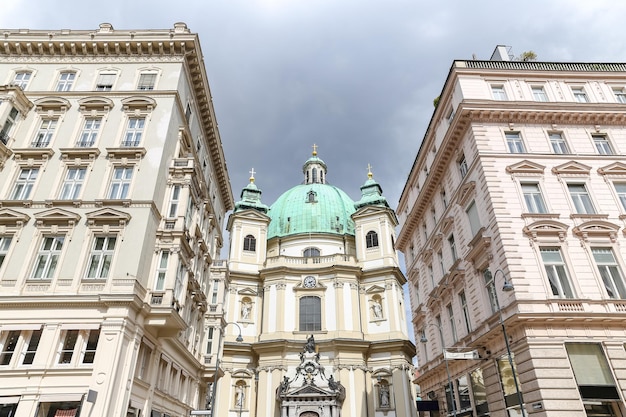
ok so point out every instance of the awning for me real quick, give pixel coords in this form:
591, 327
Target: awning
66, 413
427, 405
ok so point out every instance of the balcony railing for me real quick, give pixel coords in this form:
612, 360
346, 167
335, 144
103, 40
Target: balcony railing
543, 66
330, 259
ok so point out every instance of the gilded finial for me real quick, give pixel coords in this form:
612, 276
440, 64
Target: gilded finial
314, 149
369, 171
251, 175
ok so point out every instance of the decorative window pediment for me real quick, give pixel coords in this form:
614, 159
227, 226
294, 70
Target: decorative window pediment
12, 218
596, 228
95, 104
247, 291
56, 217
572, 168
466, 192
480, 253
525, 167
109, 217
616, 169
546, 228
374, 289
446, 224
138, 104
52, 105
427, 255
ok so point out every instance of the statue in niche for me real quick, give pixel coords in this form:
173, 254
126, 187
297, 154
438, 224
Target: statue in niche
246, 307
378, 309
383, 393
240, 395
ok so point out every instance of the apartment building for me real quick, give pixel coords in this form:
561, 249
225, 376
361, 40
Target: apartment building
113, 192
513, 226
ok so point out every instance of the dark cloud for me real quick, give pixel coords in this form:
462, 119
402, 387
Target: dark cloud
355, 77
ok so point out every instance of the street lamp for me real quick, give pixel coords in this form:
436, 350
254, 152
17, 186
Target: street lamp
423, 339
239, 339
507, 286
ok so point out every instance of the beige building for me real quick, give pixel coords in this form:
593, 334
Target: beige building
316, 293
113, 193
513, 218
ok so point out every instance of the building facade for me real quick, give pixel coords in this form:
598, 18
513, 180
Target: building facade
513, 225
113, 193
315, 290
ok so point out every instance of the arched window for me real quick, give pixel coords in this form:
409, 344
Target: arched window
314, 171
371, 239
311, 252
311, 196
249, 243
310, 314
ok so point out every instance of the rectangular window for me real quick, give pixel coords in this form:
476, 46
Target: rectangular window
440, 258
498, 93
310, 314
514, 142
508, 385
90, 346
580, 95
120, 183
105, 81
451, 321
65, 82
67, 348
556, 272
188, 112
181, 273
90, 131
479, 392
620, 189
466, 313
533, 198
491, 288
539, 94
73, 183
146, 81
474, 219
8, 125
161, 273
174, 201
602, 144
44, 134
101, 255
48, 257
464, 393
8, 347
209, 341
21, 79
452, 245
620, 94
134, 131
143, 362
581, 199
5, 243
610, 272
559, 146
31, 348
592, 372
216, 287
463, 167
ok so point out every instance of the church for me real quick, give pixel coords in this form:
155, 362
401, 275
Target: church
315, 324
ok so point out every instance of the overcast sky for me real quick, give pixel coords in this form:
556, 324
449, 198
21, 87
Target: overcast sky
355, 77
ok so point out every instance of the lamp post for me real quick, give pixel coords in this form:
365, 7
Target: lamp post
423, 339
239, 339
507, 286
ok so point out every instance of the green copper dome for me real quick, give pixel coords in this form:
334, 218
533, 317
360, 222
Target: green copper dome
311, 208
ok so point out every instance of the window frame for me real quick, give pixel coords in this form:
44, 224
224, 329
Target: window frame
5, 247
105, 80
558, 143
174, 203
580, 94
10, 345
581, 201
134, 131
89, 347
533, 199
162, 266
602, 143
49, 256
557, 273
89, 132
310, 316
65, 84
514, 141
498, 92
23, 187
371, 239
249, 243
119, 188
539, 93
72, 187
620, 94
21, 78
142, 85
617, 284
463, 167
100, 260
311, 252
45, 132
29, 349
621, 194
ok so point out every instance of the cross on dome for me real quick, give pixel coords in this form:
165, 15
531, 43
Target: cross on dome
251, 175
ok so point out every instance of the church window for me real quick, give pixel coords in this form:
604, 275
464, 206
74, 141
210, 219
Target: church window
310, 314
249, 243
311, 196
371, 239
311, 252
314, 175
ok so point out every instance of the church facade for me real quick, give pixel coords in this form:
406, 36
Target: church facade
315, 290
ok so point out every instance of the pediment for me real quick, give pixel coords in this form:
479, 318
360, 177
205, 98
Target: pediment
374, 289
370, 210
467, 192
107, 216
248, 291
10, 217
56, 216
310, 391
252, 214
45, 104
572, 167
446, 224
546, 228
525, 167
95, 103
616, 168
596, 228
138, 103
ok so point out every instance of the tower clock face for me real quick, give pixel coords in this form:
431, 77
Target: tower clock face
309, 282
